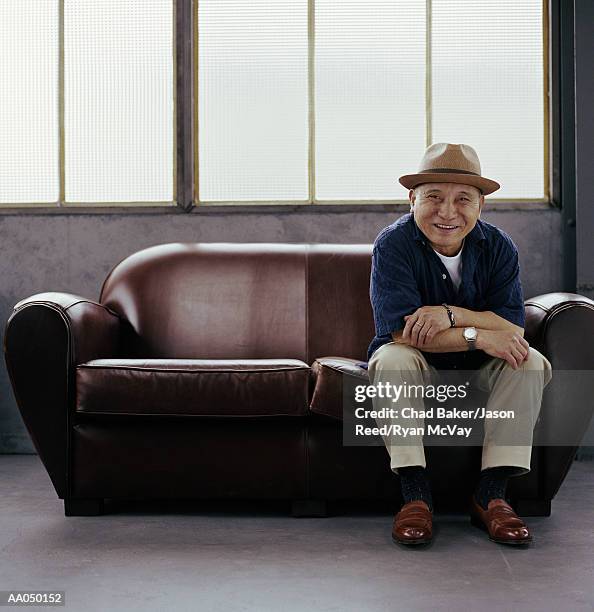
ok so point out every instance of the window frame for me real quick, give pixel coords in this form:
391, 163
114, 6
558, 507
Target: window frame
557, 95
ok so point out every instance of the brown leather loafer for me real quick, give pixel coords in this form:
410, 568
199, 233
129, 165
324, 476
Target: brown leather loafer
500, 521
413, 524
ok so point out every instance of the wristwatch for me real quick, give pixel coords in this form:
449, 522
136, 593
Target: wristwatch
470, 337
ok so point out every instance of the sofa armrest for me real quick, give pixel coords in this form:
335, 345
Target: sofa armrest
45, 338
561, 327
561, 310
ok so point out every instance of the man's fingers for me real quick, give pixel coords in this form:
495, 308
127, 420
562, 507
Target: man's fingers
524, 349
416, 332
522, 341
517, 353
408, 326
411, 324
518, 345
405, 330
512, 361
520, 348
423, 334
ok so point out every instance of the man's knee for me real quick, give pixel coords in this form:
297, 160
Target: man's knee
538, 362
535, 360
397, 356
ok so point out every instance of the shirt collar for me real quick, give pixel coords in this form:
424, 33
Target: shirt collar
476, 235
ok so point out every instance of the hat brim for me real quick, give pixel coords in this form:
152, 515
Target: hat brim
487, 186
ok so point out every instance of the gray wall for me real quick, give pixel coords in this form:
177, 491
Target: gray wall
74, 252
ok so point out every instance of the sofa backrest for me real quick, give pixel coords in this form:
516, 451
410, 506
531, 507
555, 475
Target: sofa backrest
340, 318
241, 301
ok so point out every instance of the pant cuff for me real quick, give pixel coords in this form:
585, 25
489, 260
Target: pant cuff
407, 459
514, 456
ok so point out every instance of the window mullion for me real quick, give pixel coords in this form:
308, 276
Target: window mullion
183, 107
311, 15
428, 74
61, 150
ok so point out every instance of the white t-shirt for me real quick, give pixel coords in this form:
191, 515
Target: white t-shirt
453, 265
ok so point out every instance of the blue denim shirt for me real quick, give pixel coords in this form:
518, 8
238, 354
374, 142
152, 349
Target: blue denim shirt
406, 274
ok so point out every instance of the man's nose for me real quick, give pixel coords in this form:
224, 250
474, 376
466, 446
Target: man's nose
447, 209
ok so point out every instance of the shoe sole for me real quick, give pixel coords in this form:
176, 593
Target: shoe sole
478, 523
412, 542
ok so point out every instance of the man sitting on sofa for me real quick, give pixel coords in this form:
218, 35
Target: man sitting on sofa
446, 294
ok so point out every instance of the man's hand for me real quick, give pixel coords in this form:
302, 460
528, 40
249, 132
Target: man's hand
506, 344
423, 324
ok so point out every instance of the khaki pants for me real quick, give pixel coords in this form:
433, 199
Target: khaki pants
399, 364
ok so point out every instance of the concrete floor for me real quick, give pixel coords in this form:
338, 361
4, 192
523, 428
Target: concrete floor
228, 558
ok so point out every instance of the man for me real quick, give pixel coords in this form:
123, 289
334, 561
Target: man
446, 294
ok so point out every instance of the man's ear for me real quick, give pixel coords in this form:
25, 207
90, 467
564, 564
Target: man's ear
411, 198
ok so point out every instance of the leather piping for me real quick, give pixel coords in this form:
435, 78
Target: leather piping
551, 312
190, 416
92, 366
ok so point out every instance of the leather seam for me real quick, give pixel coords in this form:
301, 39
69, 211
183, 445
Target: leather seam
560, 306
175, 414
85, 366
535, 305
553, 312
101, 306
338, 370
64, 309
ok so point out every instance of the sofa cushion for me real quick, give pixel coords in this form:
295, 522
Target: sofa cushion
245, 387
328, 374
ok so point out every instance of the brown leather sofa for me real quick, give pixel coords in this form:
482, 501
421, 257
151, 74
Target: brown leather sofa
213, 371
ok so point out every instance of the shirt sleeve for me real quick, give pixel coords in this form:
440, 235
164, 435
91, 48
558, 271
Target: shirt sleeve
505, 296
393, 288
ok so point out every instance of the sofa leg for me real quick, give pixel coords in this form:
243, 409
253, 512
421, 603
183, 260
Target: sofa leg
309, 507
83, 507
532, 507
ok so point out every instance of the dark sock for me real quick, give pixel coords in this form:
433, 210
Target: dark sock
415, 484
493, 483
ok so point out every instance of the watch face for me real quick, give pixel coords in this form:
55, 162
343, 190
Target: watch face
470, 333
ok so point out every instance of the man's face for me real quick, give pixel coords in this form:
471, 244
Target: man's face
446, 204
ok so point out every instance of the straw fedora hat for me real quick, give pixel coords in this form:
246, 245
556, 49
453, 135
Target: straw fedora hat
450, 163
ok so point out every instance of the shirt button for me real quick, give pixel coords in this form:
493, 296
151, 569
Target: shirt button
443, 276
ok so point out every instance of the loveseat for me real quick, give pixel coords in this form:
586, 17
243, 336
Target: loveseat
214, 371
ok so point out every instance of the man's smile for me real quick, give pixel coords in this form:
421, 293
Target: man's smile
446, 228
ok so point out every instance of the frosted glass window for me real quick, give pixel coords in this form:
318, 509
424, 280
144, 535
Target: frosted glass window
252, 100
370, 96
119, 108
29, 170
488, 87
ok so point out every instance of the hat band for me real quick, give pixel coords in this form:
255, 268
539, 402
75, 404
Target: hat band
448, 171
